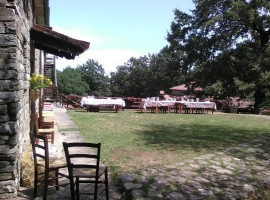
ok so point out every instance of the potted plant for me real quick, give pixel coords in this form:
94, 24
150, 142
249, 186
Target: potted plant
37, 81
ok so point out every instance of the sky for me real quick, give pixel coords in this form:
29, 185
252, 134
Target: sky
116, 29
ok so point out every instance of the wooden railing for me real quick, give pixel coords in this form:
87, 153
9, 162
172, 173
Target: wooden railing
70, 101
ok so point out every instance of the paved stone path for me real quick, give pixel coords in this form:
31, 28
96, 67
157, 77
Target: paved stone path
237, 173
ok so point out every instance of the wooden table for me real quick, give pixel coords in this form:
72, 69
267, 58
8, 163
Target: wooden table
156, 105
204, 106
95, 104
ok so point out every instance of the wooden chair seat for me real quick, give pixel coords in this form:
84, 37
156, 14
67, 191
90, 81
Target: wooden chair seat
47, 121
48, 113
44, 131
47, 130
53, 163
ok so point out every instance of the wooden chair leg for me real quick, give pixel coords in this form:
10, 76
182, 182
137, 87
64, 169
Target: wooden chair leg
35, 184
96, 189
56, 183
77, 188
45, 188
52, 138
71, 184
106, 185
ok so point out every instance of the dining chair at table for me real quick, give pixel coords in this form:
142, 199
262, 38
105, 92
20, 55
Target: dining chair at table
83, 161
44, 164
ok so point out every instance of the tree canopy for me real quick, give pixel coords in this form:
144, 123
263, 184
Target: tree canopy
226, 46
70, 82
94, 75
84, 79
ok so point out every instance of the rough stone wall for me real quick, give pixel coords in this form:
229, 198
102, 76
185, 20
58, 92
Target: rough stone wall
15, 22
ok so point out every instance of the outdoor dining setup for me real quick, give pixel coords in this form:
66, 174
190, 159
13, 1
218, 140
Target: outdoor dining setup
95, 104
177, 106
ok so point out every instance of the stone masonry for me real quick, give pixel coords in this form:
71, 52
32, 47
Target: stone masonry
15, 22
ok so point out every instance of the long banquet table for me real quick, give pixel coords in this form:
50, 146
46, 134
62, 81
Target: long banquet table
202, 106
90, 102
191, 106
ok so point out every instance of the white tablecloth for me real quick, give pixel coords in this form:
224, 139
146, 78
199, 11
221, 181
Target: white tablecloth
102, 102
209, 105
150, 103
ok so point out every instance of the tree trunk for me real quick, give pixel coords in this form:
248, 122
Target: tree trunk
259, 98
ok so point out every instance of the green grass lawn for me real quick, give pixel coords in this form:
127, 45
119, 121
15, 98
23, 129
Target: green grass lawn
132, 140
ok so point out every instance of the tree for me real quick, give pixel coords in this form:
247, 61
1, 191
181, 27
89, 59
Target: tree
120, 83
167, 69
132, 79
147, 75
70, 82
225, 45
139, 76
94, 75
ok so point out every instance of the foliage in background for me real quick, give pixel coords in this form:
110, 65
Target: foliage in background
146, 76
226, 42
94, 75
70, 82
88, 78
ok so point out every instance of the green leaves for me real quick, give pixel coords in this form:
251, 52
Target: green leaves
70, 82
226, 46
94, 75
84, 79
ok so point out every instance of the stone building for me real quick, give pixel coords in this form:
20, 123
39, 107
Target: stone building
184, 89
25, 38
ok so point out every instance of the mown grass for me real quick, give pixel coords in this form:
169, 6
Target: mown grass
132, 140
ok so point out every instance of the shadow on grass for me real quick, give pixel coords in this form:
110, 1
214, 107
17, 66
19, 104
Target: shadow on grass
80, 111
101, 111
196, 137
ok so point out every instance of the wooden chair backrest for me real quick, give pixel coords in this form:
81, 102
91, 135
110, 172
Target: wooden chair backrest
82, 155
40, 150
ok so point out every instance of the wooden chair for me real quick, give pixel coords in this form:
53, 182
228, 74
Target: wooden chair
83, 160
46, 119
43, 165
48, 132
46, 116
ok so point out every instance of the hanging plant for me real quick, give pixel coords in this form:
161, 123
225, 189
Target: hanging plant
37, 81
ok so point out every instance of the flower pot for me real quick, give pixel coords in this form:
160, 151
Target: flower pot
33, 94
